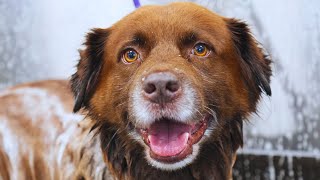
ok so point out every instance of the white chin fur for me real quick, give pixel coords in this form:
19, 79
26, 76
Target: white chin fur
177, 165
167, 166
173, 166
181, 164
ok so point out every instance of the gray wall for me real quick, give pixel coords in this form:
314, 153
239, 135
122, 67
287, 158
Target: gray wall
290, 32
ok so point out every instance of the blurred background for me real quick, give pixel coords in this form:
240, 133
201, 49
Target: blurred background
39, 40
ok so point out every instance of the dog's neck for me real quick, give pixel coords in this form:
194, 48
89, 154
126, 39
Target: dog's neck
126, 160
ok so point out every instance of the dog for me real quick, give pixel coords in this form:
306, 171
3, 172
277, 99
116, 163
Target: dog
162, 94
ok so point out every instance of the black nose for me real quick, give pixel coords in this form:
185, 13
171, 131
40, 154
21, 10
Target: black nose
161, 87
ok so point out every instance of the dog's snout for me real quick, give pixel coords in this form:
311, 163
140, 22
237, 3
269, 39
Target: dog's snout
161, 87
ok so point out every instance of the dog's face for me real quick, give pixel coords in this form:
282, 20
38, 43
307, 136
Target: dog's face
171, 78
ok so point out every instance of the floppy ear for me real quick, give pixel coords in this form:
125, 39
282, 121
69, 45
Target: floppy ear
255, 65
83, 82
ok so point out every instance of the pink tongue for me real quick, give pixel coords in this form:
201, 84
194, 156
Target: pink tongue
168, 138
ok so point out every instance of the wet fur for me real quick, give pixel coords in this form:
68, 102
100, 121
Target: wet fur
230, 83
248, 76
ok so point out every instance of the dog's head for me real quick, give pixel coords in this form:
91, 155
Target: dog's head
169, 79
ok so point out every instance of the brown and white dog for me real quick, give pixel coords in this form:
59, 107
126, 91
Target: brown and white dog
164, 92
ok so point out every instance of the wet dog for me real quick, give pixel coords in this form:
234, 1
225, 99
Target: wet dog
165, 92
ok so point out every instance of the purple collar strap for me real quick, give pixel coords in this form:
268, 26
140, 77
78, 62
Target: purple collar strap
136, 3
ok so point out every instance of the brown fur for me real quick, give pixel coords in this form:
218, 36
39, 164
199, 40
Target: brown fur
229, 81
35, 120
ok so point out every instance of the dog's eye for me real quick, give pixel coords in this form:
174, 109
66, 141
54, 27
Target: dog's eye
200, 50
130, 56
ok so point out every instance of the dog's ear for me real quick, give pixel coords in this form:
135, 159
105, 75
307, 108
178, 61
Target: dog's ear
83, 82
255, 65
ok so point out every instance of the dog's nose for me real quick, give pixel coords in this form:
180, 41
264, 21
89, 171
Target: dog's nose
161, 87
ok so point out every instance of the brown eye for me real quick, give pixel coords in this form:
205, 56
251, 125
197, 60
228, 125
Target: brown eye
200, 50
130, 56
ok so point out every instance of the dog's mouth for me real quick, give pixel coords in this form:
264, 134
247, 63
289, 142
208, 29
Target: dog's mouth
171, 141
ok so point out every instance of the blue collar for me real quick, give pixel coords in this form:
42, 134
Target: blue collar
136, 3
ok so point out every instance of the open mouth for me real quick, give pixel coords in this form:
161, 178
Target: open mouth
171, 141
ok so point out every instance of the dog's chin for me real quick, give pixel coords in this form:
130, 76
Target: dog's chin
171, 144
